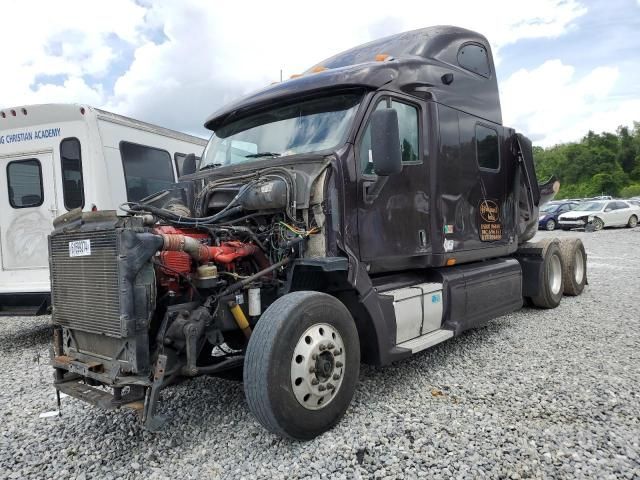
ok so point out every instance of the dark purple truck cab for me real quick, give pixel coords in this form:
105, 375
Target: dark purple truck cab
366, 210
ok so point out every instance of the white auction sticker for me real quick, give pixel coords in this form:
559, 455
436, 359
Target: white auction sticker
80, 248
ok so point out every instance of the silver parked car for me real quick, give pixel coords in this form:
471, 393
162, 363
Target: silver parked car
600, 214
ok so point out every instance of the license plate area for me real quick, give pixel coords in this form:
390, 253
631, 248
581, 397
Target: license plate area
80, 248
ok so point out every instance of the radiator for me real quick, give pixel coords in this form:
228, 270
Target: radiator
84, 287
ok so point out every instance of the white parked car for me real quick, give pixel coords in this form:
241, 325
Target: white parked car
601, 213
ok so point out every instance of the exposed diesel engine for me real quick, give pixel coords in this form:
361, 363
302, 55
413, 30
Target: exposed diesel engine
165, 293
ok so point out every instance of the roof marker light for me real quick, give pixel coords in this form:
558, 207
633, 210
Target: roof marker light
381, 57
13, 112
296, 75
24, 111
82, 110
318, 69
3, 115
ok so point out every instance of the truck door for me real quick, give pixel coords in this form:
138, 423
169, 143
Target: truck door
27, 209
393, 228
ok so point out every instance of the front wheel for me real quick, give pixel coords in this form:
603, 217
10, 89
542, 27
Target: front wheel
633, 221
551, 225
597, 224
302, 365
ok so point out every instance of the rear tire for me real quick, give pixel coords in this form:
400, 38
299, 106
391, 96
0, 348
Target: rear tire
633, 221
574, 270
302, 365
551, 285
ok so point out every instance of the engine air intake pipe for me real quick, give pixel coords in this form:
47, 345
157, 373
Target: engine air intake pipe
226, 253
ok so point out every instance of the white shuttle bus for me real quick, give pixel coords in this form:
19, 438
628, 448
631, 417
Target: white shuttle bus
57, 157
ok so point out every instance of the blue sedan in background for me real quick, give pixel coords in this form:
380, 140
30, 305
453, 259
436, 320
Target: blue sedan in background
548, 219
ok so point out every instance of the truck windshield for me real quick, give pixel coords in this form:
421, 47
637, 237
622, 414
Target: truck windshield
303, 127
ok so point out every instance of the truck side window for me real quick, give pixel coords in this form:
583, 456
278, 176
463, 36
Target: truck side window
147, 170
71, 166
487, 148
409, 134
474, 58
24, 178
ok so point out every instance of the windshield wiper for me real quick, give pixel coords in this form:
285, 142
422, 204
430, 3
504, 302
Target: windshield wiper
210, 165
262, 154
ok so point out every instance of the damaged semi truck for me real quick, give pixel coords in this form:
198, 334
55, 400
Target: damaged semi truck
366, 210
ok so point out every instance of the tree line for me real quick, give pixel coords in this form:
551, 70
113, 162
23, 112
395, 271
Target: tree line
599, 164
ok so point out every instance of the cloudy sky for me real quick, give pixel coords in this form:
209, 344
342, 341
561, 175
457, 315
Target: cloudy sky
564, 66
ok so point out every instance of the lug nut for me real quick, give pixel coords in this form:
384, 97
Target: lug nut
322, 348
312, 370
322, 388
337, 353
330, 386
314, 381
314, 356
331, 346
336, 376
339, 364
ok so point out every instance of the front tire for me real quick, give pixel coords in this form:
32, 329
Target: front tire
551, 225
302, 364
597, 224
633, 221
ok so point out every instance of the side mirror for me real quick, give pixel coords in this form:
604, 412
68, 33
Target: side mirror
608, 209
385, 142
189, 165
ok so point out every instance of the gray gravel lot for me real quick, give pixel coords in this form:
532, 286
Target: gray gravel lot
534, 394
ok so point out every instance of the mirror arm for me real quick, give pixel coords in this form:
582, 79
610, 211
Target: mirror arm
372, 190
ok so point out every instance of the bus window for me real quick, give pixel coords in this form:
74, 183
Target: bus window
71, 166
147, 170
24, 178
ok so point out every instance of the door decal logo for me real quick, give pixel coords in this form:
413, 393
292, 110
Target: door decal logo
489, 211
490, 226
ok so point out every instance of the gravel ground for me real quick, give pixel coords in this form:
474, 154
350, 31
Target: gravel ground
534, 394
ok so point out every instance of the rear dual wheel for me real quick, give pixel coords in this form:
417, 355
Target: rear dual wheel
302, 365
574, 266
551, 283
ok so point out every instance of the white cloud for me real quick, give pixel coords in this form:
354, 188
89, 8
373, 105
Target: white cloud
215, 52
41, 37
552, 105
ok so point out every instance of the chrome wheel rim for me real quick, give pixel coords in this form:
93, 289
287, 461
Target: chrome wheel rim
578, 259
633, 222
555, 274
317, 366
551, 225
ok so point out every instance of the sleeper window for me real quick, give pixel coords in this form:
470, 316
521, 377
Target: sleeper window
409, 128
147, 170
71, 163
475, 59
24, 178
487, 148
